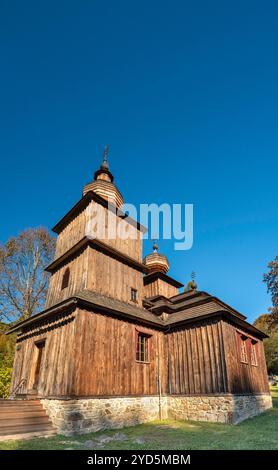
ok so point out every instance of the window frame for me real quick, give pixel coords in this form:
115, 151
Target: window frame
65, 279
148, 336
243, 348
135, 292
254, 353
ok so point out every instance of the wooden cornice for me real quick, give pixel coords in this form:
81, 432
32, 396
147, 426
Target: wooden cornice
97, 245
84, 201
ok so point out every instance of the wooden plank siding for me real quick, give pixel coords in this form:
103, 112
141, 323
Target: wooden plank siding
113, 278
78, 278
57, 365
160, 287
98, 272
243, 378
92, 354
196, 361
106, 361
84, 224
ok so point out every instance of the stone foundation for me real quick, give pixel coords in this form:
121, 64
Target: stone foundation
94, 414
221, 409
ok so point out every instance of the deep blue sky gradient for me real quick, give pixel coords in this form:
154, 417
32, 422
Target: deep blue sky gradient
186, 95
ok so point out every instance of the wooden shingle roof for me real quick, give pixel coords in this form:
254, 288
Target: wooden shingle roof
99, 303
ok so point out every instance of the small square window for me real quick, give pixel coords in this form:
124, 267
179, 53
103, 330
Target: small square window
143, 347
133, 295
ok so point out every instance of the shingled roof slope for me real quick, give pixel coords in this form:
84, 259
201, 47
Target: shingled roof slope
112, 306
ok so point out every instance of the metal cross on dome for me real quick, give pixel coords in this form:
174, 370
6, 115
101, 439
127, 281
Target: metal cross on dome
105, 156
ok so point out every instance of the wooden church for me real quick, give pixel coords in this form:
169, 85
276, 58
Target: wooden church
120, 342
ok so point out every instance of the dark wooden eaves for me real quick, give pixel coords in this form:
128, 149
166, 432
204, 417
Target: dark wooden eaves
83, 202
159, 275
97, 245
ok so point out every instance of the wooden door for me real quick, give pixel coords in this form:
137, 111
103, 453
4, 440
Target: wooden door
40, 348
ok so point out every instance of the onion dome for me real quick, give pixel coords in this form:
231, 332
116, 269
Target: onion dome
156, 262
103, 183
191, 285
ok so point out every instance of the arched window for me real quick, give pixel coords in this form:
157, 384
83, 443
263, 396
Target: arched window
65, 280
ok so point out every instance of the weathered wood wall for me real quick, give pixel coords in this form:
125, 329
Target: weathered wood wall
106, 362
57, 366
90, 354
160, 287
113, 278
243, 378
96, 271
84, 224
195, 360
78, 279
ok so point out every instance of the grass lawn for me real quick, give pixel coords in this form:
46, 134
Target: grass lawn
260, 432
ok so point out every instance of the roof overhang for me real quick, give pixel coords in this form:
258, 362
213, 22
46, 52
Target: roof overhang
84, 201
98, 245
149, 278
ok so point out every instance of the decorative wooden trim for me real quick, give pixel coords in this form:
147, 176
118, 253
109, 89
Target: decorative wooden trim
69, 303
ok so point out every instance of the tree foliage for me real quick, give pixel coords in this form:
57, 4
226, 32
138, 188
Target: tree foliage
23, 281
268, 323
7, 345
271, 280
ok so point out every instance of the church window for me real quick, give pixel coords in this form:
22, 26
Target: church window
143, 347
254, 359
243, 349
133, 295
65, 280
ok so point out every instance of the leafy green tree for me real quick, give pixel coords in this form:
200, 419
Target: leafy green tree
23, 288
271, 280
23, 281
7, 345
268, 324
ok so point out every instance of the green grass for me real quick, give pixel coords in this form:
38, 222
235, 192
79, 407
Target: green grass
260, 432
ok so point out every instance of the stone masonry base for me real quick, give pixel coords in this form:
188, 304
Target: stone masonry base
81, 416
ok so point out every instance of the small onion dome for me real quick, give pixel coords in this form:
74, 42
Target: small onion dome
103, 183
191, 285
156, 262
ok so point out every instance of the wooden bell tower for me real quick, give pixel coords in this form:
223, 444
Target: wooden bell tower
87, 257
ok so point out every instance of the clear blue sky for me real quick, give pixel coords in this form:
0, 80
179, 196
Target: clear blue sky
186, 95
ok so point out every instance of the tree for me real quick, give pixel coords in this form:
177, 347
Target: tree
23, 281
271, 280
268, 324
7, 346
